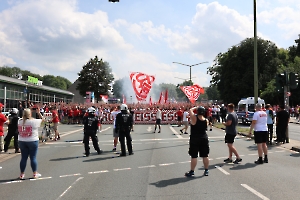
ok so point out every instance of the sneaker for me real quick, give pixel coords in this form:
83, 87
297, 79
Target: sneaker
131, 153
210, 129
206, 172
58, 138
189, 174
228, 160
237, 160
17, 151
36, 175
153, 131
158, 132
122, 155
185, 133
100, 152
22, 176
259, 162
87, 154
114, 149
266, 161
181, 131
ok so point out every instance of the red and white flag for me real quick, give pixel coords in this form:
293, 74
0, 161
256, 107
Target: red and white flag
104, 98
150, 101
161, 98
124, 99
192, 92
142, 84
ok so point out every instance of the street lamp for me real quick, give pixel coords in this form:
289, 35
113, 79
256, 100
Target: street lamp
190, 67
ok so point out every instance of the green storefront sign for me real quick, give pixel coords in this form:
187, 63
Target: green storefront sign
32, 80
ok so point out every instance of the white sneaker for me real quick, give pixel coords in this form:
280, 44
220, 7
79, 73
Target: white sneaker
37, 175
22, 176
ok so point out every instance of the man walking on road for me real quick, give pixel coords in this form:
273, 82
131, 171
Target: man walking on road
198, 140
185, 121
282, 122
259, 124
270, 114
123, 127
90, 123
158, 120
231, 123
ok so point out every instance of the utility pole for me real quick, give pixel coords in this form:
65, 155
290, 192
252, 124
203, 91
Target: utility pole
255, 57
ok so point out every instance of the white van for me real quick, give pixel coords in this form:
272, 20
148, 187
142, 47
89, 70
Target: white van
246, 109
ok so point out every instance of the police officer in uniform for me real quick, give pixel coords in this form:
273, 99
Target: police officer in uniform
90, 123
12, 130
124, 123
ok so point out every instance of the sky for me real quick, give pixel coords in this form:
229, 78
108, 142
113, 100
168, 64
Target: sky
58, 37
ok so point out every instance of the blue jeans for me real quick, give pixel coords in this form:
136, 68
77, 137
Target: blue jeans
28, 149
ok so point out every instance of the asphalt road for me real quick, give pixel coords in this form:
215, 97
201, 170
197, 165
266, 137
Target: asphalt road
155, 171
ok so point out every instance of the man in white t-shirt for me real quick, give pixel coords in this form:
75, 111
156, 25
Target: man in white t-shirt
259, 124
185, 121
158, 120
115, 133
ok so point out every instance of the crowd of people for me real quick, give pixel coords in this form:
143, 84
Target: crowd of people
200, 119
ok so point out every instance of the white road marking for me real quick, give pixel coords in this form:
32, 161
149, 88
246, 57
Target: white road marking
177, 141
136, 143
8, 182
44, 147
122, 169
42, 178
98, 172
254, 192
210, 159
149, 129
105, 129
149, 166
279, 151
175, 132
60, 146
220, 158
76, 145
252, 154
166, 164
163, 142
185, 162
222, 170
69, 188
70, 132
149, 142
270, 152
62, 176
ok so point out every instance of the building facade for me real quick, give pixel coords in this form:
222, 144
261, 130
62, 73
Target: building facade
14, 91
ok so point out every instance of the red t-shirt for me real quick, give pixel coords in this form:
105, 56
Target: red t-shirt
55, 118
179, 113
76, 112
70, 113
2, 121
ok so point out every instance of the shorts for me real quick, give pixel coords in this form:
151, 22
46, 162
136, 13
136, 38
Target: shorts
229, 139
210, 119
179, 118
158, 121
186, 123
260, 137
55, 126
115, 133
70, 117
200, 147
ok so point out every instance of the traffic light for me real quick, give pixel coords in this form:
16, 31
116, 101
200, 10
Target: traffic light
280, 82
293, 80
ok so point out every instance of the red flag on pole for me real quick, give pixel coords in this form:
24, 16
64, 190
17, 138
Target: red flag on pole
124, 99
160, 100
192, 92
150, 101
166, 96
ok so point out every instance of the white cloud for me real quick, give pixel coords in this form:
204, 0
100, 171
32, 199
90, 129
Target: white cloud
6, 61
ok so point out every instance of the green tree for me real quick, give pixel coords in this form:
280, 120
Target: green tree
212, 93
95, 77
6, 71
233, 71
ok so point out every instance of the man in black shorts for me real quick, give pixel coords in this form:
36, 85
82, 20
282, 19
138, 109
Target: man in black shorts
198, 140
259, 124
158, 120
231, 123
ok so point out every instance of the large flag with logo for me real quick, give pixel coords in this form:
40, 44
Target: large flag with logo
142, 84
192, 92
104, 98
